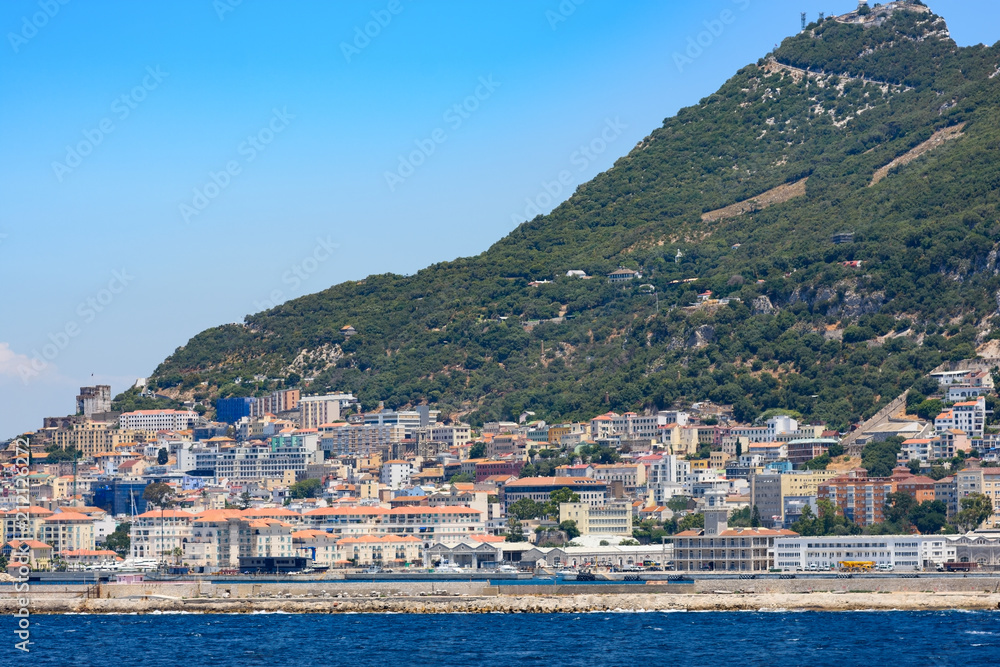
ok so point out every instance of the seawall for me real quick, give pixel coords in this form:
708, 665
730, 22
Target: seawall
477, 597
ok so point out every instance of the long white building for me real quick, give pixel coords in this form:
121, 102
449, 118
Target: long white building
902, 552
158, 420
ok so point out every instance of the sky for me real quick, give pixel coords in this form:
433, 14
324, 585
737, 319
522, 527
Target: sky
168, 167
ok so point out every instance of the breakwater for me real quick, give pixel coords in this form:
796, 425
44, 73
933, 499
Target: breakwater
479, 597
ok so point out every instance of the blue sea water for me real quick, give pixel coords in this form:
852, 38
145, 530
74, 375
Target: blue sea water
777, 639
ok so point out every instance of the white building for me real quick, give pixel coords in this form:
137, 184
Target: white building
667, 475
258, 463
633, 426
158, 420
968, 416
396, 474
901, 552
422, 416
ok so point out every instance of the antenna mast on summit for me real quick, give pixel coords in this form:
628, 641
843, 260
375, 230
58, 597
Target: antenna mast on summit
803, 21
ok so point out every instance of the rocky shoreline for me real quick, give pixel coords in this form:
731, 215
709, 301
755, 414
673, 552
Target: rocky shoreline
629, 602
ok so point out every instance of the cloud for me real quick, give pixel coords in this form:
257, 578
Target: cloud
11, 362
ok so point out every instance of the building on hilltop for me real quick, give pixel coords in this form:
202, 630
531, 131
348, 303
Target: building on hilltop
93, 400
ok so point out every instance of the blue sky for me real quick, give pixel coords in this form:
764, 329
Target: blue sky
167, 167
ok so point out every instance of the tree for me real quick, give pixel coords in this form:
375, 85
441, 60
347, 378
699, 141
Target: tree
569, 527
879, 458
678, 503
741, 518
898, 506
177, 553
462, 478
307, 488
929, 409
245, 500
526, 508
914, 466
59, 455
558, 497
478, 450
929, 517
755, 518
515, 532
818, 463
628, 542
159, 494
976, 508
806, 524
120, 540
162, 457
691, 522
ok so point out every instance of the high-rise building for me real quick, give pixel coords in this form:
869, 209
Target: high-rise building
317, 410
231, 410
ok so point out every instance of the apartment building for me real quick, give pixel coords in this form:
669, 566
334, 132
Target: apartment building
317, 410
342, 439
158, 420
861, 498
92, 437
396, 473
384, 550
630, 476
944, 445
722, 549
67, 531
667, 475
245, 464
421, 416
980, 480
613, 519
967, 416
156, 533
538, 489
446, 523
219, 538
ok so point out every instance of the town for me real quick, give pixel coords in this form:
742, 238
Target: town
313, 484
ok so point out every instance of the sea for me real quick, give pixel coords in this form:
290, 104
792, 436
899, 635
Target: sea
773, 638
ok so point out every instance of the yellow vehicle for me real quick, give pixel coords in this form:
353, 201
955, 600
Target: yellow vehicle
857, 565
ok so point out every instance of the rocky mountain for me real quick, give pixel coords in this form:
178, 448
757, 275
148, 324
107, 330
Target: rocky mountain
831, 212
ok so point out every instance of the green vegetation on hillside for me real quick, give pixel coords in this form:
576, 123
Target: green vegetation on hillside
808, 333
